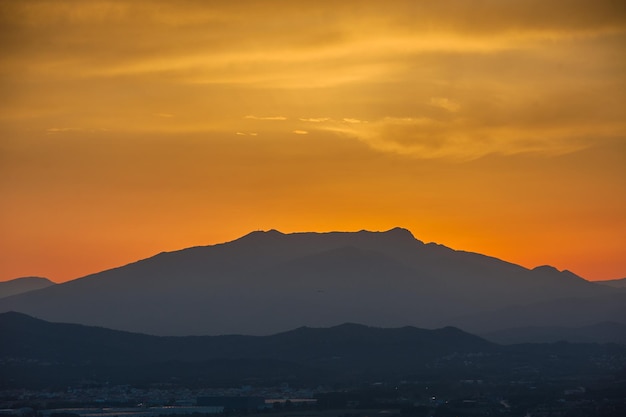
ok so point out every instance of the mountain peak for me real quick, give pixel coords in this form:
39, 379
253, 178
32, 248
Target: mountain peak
552, 271
397, 235
271, 232
262, 235
546, 268
400, 232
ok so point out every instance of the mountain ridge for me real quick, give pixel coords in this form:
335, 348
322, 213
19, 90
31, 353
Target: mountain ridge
28, 338
265, 282
22, 285
41, 354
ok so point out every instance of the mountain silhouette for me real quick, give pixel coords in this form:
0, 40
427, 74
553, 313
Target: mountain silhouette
39, 352
22, 285
268, 282
31, 338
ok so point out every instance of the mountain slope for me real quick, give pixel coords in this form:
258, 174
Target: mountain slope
22, 285
615, 283
561, 312
596, 333
267, 282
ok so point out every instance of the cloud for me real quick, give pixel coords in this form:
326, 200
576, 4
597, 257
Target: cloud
63, 129
314, 119
57, 130
301, 132
498, 59
445, 103
266, 117
428, 138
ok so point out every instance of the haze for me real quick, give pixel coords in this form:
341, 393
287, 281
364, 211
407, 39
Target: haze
134, 127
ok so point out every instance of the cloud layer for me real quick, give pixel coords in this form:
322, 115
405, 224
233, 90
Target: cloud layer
490, 76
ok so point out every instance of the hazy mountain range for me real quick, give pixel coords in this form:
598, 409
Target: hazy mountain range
36, 353
22, 285
269, 282
596, 333
616, 283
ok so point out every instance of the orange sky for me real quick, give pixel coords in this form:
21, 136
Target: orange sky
133, 127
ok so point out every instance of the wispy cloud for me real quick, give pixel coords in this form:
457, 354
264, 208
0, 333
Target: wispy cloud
301, 132
63, 129
314, 119
252, 117
445, 103
428, 138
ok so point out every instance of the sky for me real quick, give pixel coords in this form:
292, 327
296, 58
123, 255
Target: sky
128, 128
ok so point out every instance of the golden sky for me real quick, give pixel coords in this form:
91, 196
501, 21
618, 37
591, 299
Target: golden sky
133, 127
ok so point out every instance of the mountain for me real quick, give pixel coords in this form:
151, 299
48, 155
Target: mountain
22, 285
615, 283
40, 354
69, 352
30, 338
268, 282
561, 312
596, 333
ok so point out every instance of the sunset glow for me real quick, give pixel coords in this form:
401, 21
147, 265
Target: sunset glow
134, 127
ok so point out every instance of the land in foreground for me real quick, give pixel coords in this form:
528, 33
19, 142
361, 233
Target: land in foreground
353, 368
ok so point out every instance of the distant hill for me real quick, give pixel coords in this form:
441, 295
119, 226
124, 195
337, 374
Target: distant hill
31, 338
39, 354
69, 352
22, 285
597, 333
615, 283
268, 282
